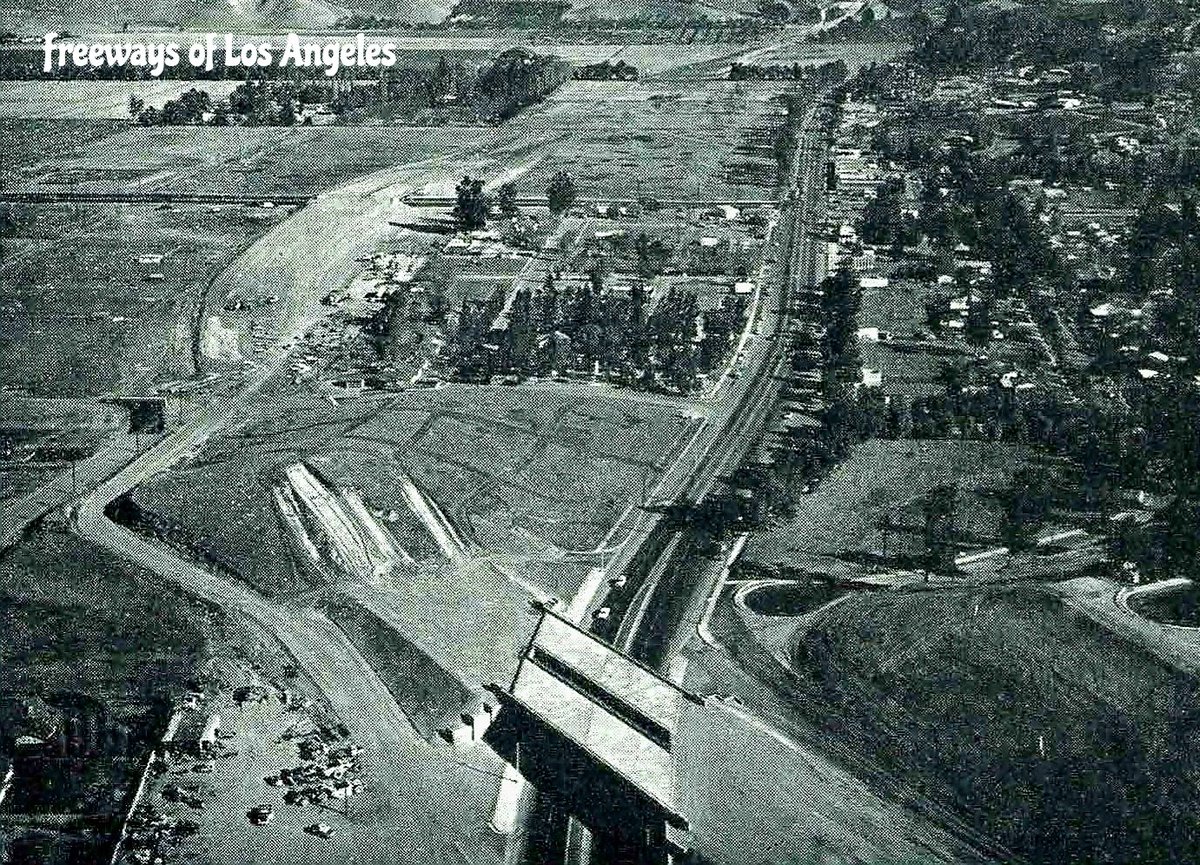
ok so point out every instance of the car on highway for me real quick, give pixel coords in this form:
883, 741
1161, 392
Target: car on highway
321, 830
260, 815
602, 613
618, 581
549, 603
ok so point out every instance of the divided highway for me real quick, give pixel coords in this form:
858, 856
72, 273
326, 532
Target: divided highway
734, 424
737, 419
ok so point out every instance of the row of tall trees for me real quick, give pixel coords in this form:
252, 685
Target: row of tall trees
451, 90
587, 328
472, 204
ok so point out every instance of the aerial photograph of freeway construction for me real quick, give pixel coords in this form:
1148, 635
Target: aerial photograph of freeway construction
599, 432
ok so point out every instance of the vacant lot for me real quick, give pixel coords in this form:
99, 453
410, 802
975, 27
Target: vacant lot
244, 160
82, 315
33, 142
881, 485
909, 367
94, 100
515, 470
530, 479
1040, 728
701, 141
74, 620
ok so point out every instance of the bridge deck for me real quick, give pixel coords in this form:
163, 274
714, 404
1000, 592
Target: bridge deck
612, 672
621, 714
621, 746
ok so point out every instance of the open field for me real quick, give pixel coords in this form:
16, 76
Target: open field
842, 518
30, 143
703, 140
688, 141
74, 620
516, 471
94, 100
512, 490
1057, 737
21, 480
82, 316
854, 53
807, 808
243, 160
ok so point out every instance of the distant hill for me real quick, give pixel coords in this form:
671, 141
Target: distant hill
535, 13
33, 17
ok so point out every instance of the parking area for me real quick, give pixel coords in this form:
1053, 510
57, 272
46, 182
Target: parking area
253, 772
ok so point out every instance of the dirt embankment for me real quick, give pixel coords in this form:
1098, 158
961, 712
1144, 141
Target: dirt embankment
430, 696
1044, 731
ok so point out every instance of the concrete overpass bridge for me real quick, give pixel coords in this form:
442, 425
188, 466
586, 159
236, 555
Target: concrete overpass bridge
595, 731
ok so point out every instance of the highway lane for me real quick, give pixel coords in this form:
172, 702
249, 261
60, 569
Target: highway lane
719, 445
736, 420
16, 515
647, 638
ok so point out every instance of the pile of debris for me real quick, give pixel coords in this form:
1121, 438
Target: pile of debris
329, 768
153, 836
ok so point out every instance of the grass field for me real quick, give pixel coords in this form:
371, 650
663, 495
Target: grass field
74, 620
32, 142
707, 140
241, 160
515, 470
900, 309
531, 479
94, 100
841, 519
1043, 730
80, 316
665, 141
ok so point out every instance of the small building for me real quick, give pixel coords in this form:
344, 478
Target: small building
192, 732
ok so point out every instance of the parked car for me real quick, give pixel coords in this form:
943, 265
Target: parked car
260, 815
